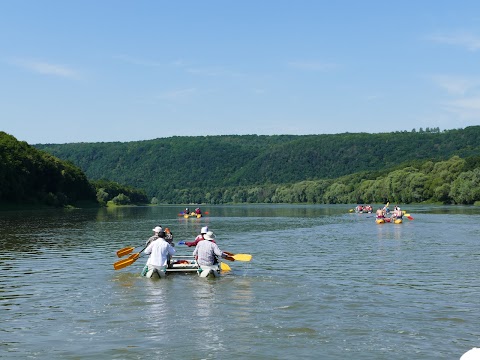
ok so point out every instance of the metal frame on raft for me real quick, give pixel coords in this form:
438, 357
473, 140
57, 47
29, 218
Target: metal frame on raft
183, 267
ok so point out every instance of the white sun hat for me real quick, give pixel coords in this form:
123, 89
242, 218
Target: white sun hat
209, 236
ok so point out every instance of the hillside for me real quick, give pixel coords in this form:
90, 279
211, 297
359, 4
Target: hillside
194, 166
31, 176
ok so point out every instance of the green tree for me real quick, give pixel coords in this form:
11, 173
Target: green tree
102, 196
442, 174
465, 188
121, 199
337, 193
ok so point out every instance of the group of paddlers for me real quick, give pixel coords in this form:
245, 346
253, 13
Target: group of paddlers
384, 212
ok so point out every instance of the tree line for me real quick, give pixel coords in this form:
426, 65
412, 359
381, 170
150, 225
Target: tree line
453, 181
336, 168
403, 167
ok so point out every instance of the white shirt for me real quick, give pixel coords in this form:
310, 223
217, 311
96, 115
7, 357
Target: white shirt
159, 250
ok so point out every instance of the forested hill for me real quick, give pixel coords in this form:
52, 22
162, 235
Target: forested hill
167, 165
28, 175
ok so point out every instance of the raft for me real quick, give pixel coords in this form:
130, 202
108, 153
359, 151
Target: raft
183, 265
384, 220
198, 216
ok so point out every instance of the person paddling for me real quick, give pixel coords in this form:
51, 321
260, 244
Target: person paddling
206, 254
199, 237
397, 213
156, 230
160, 252
169, 236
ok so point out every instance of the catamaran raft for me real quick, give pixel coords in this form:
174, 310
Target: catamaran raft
179, 264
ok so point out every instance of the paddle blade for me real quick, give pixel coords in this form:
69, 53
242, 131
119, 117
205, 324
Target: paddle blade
126, 262
125, 251
225, 267
123, 263
242, 257
409, 218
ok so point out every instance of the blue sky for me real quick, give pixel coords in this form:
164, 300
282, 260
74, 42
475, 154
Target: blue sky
101, 71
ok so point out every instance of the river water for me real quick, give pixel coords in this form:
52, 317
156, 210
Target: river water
324, 283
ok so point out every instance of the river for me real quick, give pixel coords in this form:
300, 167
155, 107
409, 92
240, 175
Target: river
324, 283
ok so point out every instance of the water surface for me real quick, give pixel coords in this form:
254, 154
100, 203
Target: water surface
323, 284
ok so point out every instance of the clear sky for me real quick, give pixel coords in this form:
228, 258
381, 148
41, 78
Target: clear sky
118, 70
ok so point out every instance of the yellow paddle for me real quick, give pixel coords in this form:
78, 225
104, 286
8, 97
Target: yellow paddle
120, 264
125, 251
242, 257
224, 267
237, 257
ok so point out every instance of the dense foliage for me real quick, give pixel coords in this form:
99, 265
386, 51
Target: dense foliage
118, 194
28, 175
341, 168
32, 176
446, 182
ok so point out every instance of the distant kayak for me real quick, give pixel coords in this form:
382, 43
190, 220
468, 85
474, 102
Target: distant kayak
192, 215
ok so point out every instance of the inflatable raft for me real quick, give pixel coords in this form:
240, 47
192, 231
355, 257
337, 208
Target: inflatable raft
192, 215
389, 220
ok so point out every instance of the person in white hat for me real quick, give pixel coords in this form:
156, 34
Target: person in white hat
156, 230
207, 254
199, 237
207, 251
160, 252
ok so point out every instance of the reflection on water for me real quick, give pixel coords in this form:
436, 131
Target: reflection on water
207, 323
157, 311
391, 231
